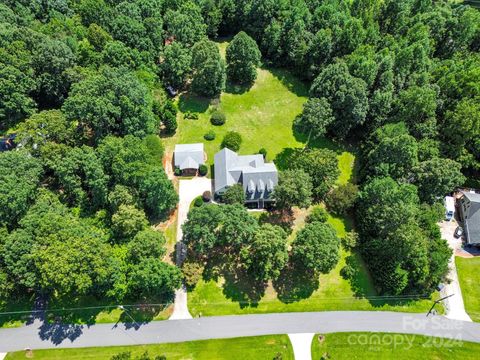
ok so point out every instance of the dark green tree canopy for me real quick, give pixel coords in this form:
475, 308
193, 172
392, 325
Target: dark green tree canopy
18, 183
267, 253
208, 69
234, 195
243, 57
294, 189
317, 247
113, 101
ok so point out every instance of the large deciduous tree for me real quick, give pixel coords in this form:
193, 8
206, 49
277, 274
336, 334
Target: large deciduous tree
19, 179
113, 101
346, 94
243, 57
315, 118
176, 65
208, 69
317, 247
437, 177
294, 188
266, 255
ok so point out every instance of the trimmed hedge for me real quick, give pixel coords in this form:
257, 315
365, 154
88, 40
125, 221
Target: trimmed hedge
218, 118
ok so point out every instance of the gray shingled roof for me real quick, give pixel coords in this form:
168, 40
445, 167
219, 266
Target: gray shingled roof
189, 156
257, 177
472, 223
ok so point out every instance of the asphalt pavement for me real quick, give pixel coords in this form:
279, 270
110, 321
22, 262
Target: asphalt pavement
40, 335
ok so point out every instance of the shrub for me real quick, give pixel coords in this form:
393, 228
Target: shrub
192, 272
234, 195
169, 121
203, 170
190, 115
218, 118
207, 196
263, 152
198, 201
341, 199
232, 140
177, 171
350, 240
209, 135
318, 214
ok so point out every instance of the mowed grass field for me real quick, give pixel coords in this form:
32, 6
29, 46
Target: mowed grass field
329, 292
366, 346
261, 347
263, 115
469, 274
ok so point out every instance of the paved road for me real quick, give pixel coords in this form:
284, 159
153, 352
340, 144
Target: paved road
38, 336
188, 190
454, 306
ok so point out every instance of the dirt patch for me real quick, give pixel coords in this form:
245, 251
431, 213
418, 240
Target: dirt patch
168, 165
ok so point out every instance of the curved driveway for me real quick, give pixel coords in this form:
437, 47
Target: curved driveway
38, 336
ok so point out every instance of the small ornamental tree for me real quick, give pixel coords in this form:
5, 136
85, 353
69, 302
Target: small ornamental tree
341, 199
128, 221
243, 57
317, 247
232, 140
234, 195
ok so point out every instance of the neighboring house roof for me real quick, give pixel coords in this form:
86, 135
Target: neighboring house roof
472, 222
257, 177
189, 156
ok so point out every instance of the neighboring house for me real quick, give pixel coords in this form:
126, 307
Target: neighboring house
469, 205
189, 157
8, 142
257, 177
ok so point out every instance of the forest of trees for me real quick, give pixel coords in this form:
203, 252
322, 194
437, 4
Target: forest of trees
399, 80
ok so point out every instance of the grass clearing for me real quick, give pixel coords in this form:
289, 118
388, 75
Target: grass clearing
261, 347
385, 346
327, 292
469, 276
263, 116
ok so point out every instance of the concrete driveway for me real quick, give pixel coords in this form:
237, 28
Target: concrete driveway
188, 190
454, 306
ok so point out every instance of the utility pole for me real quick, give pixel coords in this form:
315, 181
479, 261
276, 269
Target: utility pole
437, 301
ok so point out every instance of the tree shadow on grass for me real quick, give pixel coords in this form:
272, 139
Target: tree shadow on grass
193, 103
284, 219
237, 89
238, 286
318, 143
295, 283
241, 287
295, 85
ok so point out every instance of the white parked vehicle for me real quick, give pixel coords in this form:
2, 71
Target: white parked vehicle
449, 203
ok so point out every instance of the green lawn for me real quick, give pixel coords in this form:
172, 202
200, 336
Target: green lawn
329, 292
383, 346
469, 275
261, 347
87, 310
263, 116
